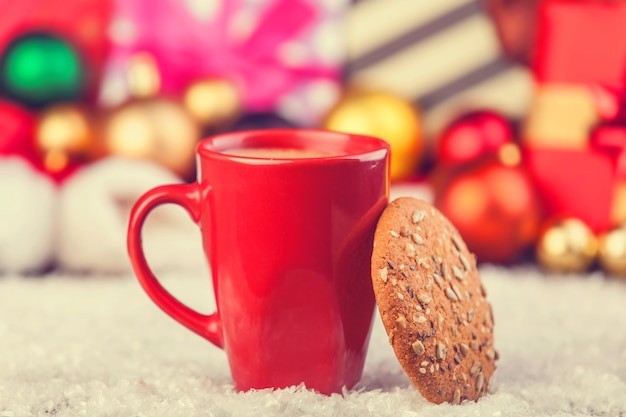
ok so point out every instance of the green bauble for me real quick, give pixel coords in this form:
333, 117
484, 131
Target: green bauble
38, 69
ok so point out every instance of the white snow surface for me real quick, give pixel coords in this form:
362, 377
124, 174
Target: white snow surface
97, 346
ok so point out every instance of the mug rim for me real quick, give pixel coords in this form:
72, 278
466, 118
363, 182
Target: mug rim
339, 145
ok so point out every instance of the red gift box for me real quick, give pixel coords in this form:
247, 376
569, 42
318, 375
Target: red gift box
574, 183
581, 42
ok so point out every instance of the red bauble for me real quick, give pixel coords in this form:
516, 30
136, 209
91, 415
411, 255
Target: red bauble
472, 136
16, 131
494, 208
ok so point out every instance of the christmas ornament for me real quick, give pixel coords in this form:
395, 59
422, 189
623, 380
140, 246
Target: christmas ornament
150, 127
472, 136
494, 208
566, 245
85, 23
143, 77
28, 214
213, 102
156, 129
38, 69
64, 137
386, 116
612, 251
16, 131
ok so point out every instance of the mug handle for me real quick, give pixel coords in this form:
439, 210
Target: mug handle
189, 197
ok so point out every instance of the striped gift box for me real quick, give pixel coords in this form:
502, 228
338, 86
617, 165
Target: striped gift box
443, 55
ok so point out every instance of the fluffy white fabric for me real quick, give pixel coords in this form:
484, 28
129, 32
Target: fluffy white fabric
99, 347
28, 208
95, 205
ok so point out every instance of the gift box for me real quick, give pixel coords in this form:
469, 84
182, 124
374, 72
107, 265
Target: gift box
581, 42
561, 116
579, 67
443, 56
574, 183
282, 56
573, 156
585, 179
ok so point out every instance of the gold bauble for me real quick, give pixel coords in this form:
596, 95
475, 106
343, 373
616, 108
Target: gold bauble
213, 102
566, 245
63, 135
385, 116
510, 155
143, 77
156, 129
612, 251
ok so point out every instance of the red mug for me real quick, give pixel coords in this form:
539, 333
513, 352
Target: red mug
287, 219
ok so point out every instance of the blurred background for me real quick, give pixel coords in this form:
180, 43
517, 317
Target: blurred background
510, 113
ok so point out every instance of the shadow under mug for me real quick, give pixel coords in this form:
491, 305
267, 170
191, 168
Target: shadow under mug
287, 219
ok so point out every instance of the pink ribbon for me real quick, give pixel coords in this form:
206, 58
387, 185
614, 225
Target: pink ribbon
187, 48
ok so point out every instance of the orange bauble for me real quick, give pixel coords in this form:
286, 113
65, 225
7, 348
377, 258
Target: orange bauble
494, 208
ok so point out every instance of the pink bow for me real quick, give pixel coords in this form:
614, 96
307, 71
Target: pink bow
187, 48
